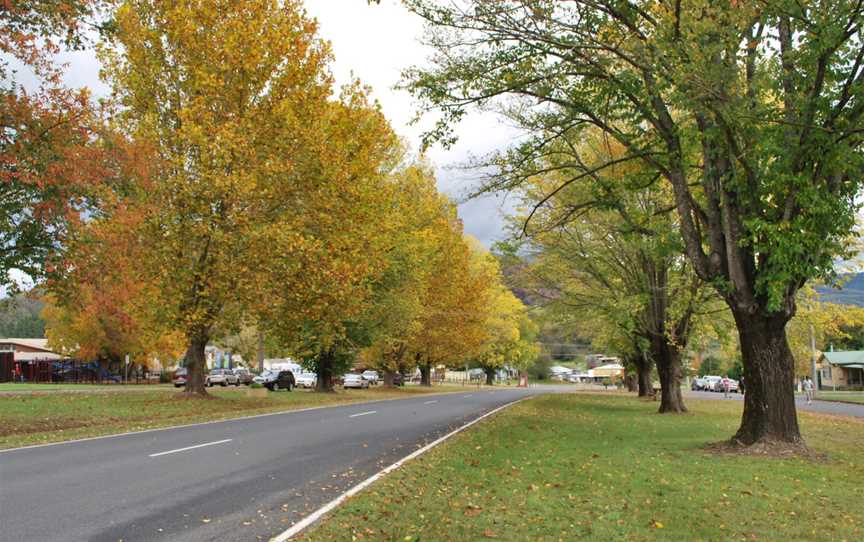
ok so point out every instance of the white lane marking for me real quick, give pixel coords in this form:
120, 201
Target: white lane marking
304, 523
363, 413
429, 402
469, 395
223, 441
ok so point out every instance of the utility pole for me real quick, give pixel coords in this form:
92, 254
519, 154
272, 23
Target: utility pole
813, 372
260, 351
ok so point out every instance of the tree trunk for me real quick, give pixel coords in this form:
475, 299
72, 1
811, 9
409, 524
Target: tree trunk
632, 383
388, 379
643, 377
196, 365
426, 375
667, 357
769, 370
324, 372
490, 376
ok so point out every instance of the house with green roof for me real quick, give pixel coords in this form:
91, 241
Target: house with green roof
842, 370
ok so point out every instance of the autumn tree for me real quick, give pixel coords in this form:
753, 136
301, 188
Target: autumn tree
816, 324
100, 307
509, 341
318, 291
423, 224
52, 149
750, 112
227, 94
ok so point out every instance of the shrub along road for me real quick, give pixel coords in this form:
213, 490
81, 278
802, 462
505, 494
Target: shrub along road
228, 480
589, 467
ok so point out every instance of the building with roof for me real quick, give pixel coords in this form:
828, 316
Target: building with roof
27, 350
842, 370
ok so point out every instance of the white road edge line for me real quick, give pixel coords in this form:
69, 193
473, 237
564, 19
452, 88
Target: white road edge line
304, 523
430, 402
363, 413
225, 420
223, 441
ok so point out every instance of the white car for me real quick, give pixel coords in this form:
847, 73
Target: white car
371, 377
307, 380
353, 380
711, 383
222, 377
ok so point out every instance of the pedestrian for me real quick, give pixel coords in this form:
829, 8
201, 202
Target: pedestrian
808, 390
726, 385
741, 387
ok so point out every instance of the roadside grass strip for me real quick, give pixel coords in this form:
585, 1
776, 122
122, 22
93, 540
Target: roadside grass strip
587, 467
40, 418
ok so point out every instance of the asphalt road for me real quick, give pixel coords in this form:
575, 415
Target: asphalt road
822, 407
234, 480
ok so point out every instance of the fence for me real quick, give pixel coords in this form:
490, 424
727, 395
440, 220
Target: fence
70, 372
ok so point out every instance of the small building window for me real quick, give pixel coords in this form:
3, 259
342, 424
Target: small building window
826, 371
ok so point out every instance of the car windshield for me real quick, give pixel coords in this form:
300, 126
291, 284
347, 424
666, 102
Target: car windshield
216, 372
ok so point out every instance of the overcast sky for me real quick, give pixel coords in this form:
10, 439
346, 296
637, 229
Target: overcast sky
375, 43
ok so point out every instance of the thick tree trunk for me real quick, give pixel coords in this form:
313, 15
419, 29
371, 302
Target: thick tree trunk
324, 372
196, 365
490, 376
426, 375
769, 370
632, 383
670, 372
388, 379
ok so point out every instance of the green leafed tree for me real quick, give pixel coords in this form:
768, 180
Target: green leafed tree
750, 111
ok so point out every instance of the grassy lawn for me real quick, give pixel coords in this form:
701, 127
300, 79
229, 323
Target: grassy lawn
37, 418
571, 467
89, 388
844, 396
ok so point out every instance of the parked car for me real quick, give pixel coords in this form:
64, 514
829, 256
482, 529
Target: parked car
307, 380
371, 377
710, 383
267, 376
718, 385
398, 379
243, 375
276, 380
222, 377
353, 380
698, 383
179, 377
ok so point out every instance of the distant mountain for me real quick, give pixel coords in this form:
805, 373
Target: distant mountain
850, 293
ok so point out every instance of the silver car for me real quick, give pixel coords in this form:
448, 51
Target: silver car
371, 377
352, 380
222, 377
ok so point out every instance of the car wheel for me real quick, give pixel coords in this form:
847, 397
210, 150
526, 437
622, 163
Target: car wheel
275, 386
290, 386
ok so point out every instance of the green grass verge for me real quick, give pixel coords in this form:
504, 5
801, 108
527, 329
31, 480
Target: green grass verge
20, 387
588, 467
841, 396
38, 418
